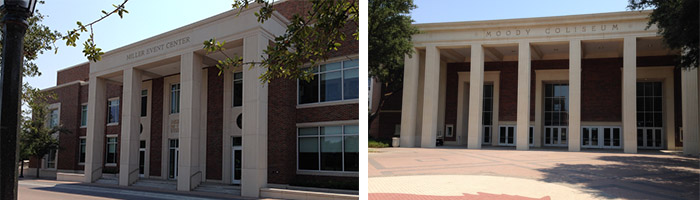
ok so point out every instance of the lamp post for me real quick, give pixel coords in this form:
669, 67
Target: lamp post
14, 26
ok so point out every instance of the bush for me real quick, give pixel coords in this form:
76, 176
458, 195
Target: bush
377, 144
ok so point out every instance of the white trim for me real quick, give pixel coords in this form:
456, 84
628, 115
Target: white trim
328, 123
327, 103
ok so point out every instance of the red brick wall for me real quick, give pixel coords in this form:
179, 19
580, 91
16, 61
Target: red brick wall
281, 139
215, 119
80, 72
328, 113
70, 119
156, 127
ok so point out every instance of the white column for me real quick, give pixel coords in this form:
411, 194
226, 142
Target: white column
97, 119
430, 96
189, 172
254, 173
523, 116
131, 121
476, 93
575, 95
409, 101
629, 95
691, 129
462, 108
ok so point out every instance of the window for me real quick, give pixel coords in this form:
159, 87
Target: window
237, 89
82, 151
53, 118
329, 148
83, 116
487, 113
175, 98
51, 159
113, 112
144, 103
111, 150
332, 82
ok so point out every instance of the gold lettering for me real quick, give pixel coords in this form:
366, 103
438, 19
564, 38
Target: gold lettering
593, 28
517, 32
527, 31
603, 27
615, 27
488, 33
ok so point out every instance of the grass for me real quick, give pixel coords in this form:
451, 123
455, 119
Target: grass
372, 143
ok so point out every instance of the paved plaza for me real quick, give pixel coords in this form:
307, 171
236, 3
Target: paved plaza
504, 173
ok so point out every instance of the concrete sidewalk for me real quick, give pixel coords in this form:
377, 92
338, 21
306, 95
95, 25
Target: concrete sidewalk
503, 173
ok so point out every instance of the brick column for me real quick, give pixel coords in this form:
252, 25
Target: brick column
476, 93
131, 121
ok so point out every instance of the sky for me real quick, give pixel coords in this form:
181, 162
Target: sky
147, 18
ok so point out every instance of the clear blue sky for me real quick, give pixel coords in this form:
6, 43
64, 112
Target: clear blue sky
430, 11
146, 18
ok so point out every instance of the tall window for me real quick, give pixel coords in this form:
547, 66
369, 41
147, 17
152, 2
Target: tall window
81, 159
111, 150
144, 103
331, 82
51, 159
113, 112
328, 148
175, 98
53, 118
487, 113
83, 116
237, 89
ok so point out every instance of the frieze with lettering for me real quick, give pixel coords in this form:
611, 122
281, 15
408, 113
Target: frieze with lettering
158, 48
558, 30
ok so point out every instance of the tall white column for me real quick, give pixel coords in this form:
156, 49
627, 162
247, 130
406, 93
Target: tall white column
476, 93
131, 122
691, 129
254, 173
629, 95
97, 118
575, 95
409, 101
189, 172
523, 116
431, 90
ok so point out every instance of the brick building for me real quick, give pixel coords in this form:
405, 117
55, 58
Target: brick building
158, 109
595, 81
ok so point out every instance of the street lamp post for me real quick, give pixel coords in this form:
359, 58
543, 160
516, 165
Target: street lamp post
14, 26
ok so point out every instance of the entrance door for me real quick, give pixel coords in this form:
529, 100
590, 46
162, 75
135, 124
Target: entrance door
649, 115
487, 114
236, 160
142, 157
174, 154
600, 137
506, 135
556, 114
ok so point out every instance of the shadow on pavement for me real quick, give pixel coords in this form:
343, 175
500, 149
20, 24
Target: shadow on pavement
633, 177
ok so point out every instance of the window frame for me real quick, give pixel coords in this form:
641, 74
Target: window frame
233, 89
116, 151
82, 150
50, 123
109, 101
318, 135
175, 108
83, 115
55, 159
144, 107
317, 75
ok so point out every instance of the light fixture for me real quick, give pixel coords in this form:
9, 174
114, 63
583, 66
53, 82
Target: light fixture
25, 6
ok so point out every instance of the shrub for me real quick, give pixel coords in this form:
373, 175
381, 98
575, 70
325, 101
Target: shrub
377, 144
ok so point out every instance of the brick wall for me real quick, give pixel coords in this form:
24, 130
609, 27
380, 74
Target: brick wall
79, 72
156, 127
215, 119
281, 139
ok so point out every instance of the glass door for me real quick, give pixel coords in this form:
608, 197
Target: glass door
237, 161
487, 114
506, 135
174, 154
556, 114
142, 157
649, 115
601, 137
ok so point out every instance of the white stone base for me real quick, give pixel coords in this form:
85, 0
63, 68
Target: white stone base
67, 176
299, 194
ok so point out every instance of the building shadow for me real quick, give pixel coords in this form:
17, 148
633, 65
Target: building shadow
632, 177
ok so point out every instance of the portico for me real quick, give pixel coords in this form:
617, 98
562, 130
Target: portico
172, 69
539, 82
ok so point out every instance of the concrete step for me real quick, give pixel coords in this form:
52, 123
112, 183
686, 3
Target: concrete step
219, 188
108, 181
156, 183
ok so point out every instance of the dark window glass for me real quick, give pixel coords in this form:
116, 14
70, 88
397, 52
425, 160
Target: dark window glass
238, 89
308, 91
82, 150
144, 103
308, 153
331, 86
351, 84
502, 135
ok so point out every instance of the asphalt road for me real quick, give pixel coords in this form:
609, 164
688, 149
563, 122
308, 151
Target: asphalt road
54, 190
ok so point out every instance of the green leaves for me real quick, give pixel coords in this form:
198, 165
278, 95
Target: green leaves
90, 49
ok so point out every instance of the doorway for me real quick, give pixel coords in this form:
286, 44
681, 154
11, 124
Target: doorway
236, 160
556, 114
649, 115
174, 154
142, 158
506, 135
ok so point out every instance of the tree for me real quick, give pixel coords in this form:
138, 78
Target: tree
310, 38
677, 21
37, 138
390, 32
